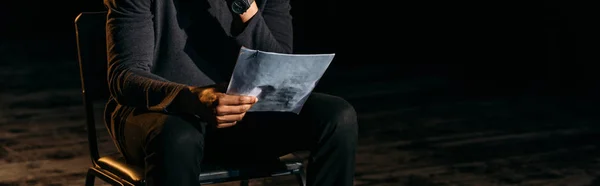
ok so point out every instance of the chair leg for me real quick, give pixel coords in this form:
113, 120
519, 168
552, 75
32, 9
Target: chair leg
90, 178
301, 176
244, 183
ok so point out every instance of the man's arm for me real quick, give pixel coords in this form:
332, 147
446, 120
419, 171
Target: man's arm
268, 30
130, 47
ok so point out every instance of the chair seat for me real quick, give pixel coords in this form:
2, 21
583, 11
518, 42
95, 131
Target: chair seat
116, 165
288, 164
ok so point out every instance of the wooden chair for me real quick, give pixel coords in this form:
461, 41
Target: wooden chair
91, 46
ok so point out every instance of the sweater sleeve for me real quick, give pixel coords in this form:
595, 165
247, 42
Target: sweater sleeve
270, 29
130, 50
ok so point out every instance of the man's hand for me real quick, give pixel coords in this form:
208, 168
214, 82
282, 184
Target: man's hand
252, 10
222, 109
230, 109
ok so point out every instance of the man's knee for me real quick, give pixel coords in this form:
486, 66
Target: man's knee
347, 117
343, 115
179, 135
341, 124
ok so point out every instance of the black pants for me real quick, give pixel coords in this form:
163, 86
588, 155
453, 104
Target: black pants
171, 148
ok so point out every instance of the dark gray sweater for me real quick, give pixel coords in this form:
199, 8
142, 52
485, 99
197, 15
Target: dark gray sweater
156, 48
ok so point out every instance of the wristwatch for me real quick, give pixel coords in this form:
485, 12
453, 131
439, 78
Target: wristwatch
240, 6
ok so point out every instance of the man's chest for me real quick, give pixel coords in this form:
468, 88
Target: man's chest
196, 16
204, 16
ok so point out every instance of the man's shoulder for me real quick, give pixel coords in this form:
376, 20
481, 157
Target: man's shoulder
181, 5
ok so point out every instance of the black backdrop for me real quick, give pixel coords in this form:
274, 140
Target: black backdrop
512, 45
52, 22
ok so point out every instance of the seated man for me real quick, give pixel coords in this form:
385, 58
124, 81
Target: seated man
168, 114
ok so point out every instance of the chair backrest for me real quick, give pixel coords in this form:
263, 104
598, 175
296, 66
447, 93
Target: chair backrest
91, 45
91, 49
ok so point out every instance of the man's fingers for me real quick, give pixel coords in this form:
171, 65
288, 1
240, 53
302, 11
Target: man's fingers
225, 125
226, 109
231, 108
229, 118
236, 100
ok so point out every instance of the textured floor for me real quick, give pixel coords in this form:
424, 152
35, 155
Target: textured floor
413, 131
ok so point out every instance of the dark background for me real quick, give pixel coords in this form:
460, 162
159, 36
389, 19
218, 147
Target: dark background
545, 47
475, 92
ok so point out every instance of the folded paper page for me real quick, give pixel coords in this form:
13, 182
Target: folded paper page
281, 82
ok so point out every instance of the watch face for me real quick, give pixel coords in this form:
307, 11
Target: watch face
238, 6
